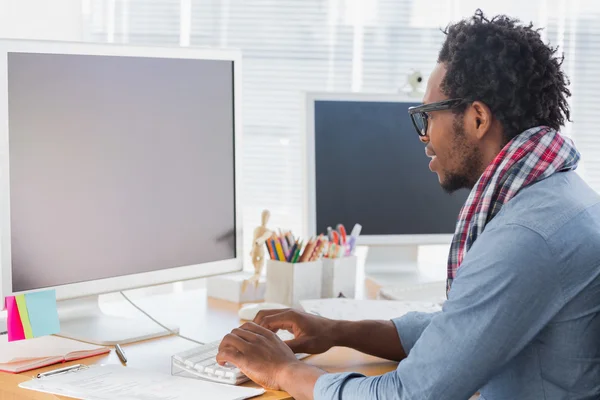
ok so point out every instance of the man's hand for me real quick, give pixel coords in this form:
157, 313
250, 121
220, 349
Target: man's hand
313, 334
259, 354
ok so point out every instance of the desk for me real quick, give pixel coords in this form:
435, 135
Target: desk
335, 360
214, 318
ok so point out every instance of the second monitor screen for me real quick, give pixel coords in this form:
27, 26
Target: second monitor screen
372, 169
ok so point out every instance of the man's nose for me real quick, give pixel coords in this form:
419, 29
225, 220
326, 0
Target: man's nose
424, 139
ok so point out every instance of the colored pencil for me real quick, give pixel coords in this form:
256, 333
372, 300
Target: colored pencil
284, 247
270, 250
292, 252
310, 247
298, 250
279, 249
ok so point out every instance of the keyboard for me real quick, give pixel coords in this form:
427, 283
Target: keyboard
201, 362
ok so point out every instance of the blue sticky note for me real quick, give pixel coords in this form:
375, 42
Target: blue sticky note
43, 315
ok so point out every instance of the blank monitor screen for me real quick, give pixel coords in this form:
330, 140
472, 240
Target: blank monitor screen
118, 165
372, 169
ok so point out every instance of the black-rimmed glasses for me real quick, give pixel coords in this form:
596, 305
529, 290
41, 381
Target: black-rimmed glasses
419, 114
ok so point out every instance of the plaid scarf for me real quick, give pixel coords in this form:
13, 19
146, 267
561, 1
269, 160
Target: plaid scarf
532, 156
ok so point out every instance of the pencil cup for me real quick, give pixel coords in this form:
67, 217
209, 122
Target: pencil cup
339, 276
289, 283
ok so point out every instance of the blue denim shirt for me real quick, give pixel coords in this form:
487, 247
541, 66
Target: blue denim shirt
522, 320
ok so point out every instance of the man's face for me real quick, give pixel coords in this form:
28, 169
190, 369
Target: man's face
454, 157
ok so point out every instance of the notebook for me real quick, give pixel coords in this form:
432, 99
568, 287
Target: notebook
25, 355
104, 382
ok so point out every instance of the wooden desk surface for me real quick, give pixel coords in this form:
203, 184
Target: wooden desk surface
214, 319
335, 360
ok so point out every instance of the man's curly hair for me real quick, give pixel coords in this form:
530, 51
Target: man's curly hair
505, 65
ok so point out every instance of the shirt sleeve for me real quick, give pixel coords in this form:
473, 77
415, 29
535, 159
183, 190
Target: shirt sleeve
410, 327
504, 293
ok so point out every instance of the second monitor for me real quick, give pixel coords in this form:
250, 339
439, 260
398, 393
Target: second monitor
367, 165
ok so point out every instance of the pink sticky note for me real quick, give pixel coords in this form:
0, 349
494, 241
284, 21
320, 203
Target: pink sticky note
15, 326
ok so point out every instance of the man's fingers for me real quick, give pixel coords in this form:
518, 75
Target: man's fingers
255, 329
298, 345
233, 340
247, 334
229, 354
285, 321
265, 313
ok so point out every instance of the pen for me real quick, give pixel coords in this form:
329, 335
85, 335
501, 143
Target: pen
336, 237
330, 234
61, 370
342, 230
330, 250
314, 250
317, 254
356, 230
354, 236
121, 354
341, 252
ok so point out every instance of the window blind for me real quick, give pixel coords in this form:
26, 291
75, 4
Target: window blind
293, 46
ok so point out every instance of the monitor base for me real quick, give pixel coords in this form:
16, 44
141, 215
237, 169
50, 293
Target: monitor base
427, 262
83, 320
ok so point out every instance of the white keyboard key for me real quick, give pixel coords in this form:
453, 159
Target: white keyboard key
197, 358
212, 353
210, 370
208, 361
229, 374
200, 366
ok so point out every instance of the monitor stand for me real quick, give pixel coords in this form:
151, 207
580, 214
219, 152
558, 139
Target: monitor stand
82, 319
392, 258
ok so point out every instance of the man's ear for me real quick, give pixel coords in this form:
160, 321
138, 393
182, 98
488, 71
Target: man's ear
479, 117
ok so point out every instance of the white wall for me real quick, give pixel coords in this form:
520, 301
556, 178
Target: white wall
41, 19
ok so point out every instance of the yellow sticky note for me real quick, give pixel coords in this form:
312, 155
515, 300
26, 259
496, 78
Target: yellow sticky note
22, 305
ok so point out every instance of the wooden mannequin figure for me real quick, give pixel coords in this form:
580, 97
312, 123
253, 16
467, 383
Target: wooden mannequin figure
261, 234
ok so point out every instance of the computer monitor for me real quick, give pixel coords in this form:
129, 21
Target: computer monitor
120, 169
365, 164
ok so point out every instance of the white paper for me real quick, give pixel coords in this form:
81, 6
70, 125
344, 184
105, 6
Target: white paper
358, 310
42, 347
109, 382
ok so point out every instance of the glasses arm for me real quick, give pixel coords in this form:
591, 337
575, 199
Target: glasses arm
438, 106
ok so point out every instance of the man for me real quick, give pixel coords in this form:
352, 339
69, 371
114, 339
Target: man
522, 319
